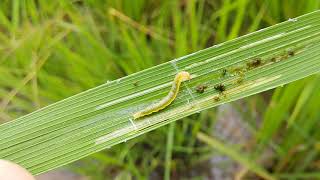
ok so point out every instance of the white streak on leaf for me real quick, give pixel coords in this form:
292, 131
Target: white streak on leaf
133, 96
262, 41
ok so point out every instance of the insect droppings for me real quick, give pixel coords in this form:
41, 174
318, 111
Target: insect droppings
220, 87
166, 101
240, 79
201, 88
135, 84
216, 99
291, 53
224, 72
255, 63
273, 59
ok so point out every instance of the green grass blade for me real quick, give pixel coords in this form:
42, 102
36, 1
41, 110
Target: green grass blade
169, 151
100, 117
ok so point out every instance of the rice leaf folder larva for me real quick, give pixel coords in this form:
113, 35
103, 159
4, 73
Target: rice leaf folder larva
166, 101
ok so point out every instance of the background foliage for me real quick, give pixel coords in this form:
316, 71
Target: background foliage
50, 50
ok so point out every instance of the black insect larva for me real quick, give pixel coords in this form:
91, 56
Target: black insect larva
220, 87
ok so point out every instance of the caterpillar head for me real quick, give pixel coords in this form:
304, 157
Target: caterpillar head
183, 75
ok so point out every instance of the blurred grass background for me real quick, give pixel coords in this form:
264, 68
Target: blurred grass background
50, 50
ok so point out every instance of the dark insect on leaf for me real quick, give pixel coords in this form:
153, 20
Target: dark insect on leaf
201, 88
220, 87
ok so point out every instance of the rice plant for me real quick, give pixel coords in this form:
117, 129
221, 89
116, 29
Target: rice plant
97, 64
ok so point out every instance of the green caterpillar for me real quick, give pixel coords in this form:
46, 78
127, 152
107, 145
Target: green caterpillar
166, 101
